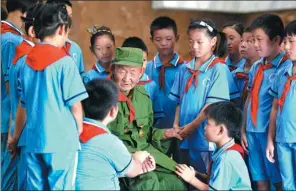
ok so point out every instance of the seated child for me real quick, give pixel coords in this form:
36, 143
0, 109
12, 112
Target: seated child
227, 170
103, 157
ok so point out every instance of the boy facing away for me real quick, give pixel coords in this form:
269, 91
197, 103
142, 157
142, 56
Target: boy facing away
227, 170
103, 156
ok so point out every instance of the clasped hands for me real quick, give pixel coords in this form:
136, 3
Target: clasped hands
178, 132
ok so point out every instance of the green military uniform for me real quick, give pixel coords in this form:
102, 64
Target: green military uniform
139, 135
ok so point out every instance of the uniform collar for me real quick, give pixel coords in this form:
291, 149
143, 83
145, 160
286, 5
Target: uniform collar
144, 77
95, 123
99, 67
29, 42
218, 152
13, 26
157, 62
204, 66
239, 64
276, 61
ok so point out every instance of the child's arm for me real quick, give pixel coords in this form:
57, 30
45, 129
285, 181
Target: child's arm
190, 127
20, 121
188, 175
271, 132
244, 141
77, 112
177, 118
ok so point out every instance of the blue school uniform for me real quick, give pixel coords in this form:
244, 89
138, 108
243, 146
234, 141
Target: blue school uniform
286, 127
233, 66
226, 164
76, 53
97, 72
241, 79
53, 151
9, 41
260, 167
153, 70
212, 87
102, 159
153, 91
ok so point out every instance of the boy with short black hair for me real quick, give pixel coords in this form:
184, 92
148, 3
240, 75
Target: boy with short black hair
150, 86
268, 31
103, 157
163, 68
228, 170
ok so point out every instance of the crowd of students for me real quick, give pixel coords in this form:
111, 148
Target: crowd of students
218, 121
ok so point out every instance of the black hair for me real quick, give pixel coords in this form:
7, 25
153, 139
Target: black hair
31, 13
228, 114
238, 27
163, 23
3, 14
271, 24
211, 31
60, 2
102, 96
49, 18
100, 31
247, 29
291, 29
135, 42
21, 5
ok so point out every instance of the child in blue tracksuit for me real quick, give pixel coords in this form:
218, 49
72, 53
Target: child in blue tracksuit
102, 46
241, 74
198, 84
11, 37
163, 68
52, 104
149, 85
268, 31
282, 128
228, 170
71, 47
15, 72
103, 157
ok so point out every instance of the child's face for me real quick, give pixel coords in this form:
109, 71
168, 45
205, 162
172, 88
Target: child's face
145, 56
290, 46
212, 131
233, 40
247, 49
104, 49
200, 43
263, 45
164, 40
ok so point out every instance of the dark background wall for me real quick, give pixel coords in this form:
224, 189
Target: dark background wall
133, 18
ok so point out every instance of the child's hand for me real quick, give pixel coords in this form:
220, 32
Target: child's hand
244, 142
171, 133
141, 156
270, 151
149, 164
187, 173
186, 130
12, 146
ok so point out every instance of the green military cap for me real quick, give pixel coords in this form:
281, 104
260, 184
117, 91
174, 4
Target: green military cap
129, 56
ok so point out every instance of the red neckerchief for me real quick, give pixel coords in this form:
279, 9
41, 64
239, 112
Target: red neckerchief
132, 111
67, 47
7, 28
43, 55
90, 131
162, 72
194, 73
235, 147
21, 50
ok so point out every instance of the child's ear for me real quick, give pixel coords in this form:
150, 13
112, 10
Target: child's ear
113, 112
222, 129
277, 40
177, 37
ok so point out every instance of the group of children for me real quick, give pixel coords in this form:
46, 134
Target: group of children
61, 126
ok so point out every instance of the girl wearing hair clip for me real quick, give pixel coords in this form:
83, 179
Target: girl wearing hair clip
203, 81
102, 46
52, 91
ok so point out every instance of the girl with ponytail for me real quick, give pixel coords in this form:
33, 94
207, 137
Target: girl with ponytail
52, 91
